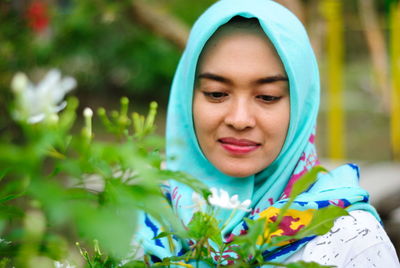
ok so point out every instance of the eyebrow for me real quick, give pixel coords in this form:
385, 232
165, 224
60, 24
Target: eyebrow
264, 80
272, 79
214, 77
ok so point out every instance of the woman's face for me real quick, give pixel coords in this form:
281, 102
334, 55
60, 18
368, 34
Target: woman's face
241, 105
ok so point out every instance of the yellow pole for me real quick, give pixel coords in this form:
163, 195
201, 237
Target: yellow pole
395, 79
332, 9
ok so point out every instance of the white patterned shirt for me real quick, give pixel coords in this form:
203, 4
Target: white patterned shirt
355, 241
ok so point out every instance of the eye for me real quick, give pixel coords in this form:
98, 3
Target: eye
268, 98
215, 96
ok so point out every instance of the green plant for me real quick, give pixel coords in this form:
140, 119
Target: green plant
60, 185
67, 195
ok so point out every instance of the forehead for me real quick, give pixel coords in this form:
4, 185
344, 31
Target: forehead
243, 27
238, 52
237, 27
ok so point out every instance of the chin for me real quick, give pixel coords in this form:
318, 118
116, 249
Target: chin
238, 172
240, 168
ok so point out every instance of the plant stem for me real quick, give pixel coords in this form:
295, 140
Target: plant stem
230, 218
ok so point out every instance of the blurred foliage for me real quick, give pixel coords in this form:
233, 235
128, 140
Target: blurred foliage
63, 191
58, 188
98, 42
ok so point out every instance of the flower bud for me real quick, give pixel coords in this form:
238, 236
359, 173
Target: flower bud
87, 112
19, 82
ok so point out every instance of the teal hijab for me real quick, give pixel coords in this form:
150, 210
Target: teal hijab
288, 36
270, 187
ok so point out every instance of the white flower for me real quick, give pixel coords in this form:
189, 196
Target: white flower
198, 202
58, 264
38, 102
224, 201
96, 182
3, 241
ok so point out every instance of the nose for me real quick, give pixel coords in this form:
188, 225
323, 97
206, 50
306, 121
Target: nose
240, 116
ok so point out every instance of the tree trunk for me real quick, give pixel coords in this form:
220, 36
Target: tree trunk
316, 27
377, 47
160, 23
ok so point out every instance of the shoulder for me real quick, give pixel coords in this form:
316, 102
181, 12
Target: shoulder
354, 239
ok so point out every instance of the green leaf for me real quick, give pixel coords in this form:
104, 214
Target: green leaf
4, 172
5, 262
203, 226
279, 239
162, 234
55, 246
256, 228
298, 187
306, 181
96, 223
303, 264
322, 221
11, 212
14, 189
246, 243
186, 179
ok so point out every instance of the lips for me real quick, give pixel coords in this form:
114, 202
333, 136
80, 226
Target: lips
238, 146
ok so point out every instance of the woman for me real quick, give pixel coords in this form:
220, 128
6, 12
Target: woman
241, 117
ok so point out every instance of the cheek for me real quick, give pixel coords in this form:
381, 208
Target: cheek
201, 116
207, 117
277, 123
197, 114
284, 121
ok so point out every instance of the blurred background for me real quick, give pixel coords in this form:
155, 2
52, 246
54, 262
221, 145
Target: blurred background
131, 48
